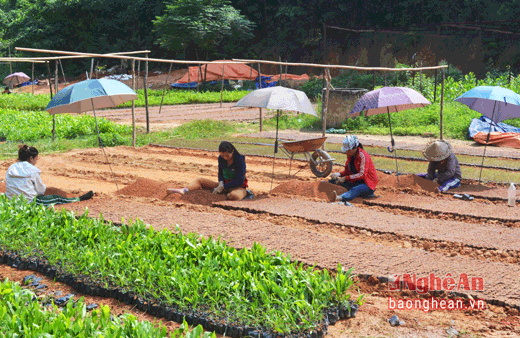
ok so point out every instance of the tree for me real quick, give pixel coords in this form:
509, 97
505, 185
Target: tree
200, 24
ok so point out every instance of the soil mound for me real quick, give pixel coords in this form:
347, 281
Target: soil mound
56, 191
2, 187
144, 187
202, 197
413, 182
322, 190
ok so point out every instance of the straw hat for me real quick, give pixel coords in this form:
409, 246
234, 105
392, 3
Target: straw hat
437, 151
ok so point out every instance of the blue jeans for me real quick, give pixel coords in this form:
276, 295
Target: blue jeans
355, 189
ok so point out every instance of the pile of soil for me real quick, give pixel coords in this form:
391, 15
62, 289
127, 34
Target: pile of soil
144, 187
202, 197
412, 182
56, 191
321, 190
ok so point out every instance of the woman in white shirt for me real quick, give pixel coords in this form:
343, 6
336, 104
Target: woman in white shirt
23, 178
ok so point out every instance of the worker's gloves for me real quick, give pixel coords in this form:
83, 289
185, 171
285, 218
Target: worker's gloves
337, 177
219, 189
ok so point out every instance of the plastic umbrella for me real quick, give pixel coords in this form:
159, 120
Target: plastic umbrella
279, 98
15, 79
389, 100
88, 95
496, 103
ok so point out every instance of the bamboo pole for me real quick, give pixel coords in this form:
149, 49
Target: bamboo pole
32, 78
146, 96
138, 73
234, 61
47, 58
326, 105
222, 86
260, 87
442, 104
61, 66
56, 91
118, 56
318, 65
164, 89
6, 59
10, 64
133, 104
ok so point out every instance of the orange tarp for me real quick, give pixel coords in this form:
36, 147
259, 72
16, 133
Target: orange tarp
511, 140
232, 71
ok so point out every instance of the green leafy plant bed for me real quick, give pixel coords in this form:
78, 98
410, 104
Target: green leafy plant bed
31, 125
176, 276
22, 315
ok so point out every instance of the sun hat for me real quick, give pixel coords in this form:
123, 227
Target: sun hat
437, 150
349, 142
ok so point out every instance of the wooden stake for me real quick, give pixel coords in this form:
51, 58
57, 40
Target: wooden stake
326, 105
260, 87
56, 82
164, 89
61, 66
146, 96
138, 73
10, 63
221, 87
442, 102
133, 104
32, 78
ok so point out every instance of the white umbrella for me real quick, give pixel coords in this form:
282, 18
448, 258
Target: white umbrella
279, 98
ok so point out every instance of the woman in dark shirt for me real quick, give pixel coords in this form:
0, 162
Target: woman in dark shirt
231, 175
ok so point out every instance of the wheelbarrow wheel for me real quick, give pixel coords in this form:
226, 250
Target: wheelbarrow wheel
323, 167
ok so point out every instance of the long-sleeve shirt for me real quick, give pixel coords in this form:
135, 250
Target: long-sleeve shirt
233, 175
23, 178
446, 170
362, 168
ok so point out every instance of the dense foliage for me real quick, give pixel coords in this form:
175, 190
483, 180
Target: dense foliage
215, 29
250, 287
22, 314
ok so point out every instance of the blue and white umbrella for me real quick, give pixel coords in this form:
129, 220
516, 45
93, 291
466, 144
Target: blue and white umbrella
496, 103
90, 95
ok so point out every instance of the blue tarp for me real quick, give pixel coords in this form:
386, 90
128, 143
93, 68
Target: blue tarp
483, 123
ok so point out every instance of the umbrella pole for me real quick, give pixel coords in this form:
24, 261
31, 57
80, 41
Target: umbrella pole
275, 148
487, 140
102, 148
393, 143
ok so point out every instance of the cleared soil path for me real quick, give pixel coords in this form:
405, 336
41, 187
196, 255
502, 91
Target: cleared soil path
497, 237
477, 208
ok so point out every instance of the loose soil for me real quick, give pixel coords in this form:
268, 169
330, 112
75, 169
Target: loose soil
144, 174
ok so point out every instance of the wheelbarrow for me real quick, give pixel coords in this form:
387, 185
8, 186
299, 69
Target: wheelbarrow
320, 161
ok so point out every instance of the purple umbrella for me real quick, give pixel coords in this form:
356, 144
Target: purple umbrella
15, 79
389, 100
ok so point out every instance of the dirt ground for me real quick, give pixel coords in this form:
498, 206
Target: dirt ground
144, 174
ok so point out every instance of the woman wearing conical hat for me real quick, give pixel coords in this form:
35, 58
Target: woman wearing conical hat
443, 166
